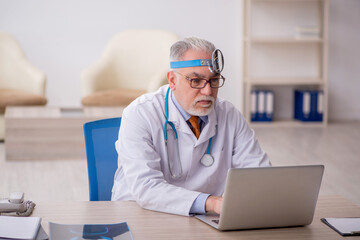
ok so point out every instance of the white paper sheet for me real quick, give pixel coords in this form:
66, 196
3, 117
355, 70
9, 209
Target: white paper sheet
19, 227
349, 226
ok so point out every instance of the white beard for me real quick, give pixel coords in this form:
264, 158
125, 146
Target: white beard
204, 109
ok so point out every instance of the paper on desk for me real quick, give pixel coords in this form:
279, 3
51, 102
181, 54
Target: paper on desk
345, 226
19, 227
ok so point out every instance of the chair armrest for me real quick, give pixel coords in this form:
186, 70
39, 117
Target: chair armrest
157, 81
91, 76
35, 81
22, 75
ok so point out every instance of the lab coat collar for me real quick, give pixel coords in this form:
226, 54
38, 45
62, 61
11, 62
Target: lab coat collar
207, 132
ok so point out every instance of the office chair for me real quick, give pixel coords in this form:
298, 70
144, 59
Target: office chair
100, 138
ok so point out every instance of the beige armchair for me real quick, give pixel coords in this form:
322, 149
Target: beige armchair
20, 82
134, 62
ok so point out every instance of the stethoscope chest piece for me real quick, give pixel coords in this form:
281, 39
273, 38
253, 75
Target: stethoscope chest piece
207, 160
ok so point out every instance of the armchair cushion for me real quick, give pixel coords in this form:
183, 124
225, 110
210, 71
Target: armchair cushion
115, 97
16, 72
15, 97
133, 59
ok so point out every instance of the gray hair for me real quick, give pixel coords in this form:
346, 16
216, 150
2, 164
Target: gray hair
179, 48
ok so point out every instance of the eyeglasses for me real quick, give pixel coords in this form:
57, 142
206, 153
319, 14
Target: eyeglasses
198, 83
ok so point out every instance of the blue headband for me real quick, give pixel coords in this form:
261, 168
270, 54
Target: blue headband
191, 63
215, 64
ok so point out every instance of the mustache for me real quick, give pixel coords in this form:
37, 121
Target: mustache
204, 98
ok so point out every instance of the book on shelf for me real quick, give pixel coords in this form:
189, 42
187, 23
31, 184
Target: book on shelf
307, 32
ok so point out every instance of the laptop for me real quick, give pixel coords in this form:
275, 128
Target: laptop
268, 197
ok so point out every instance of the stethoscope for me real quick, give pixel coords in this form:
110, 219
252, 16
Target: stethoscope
175, 167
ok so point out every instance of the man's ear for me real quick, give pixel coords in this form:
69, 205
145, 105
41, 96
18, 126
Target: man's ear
171, 79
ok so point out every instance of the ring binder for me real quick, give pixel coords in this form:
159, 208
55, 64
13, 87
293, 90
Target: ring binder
308, 105
262, 105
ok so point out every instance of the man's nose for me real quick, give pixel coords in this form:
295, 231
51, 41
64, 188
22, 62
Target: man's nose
206, 90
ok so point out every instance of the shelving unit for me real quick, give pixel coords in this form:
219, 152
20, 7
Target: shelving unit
280, 56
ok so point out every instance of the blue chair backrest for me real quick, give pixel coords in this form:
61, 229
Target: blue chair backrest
100, 138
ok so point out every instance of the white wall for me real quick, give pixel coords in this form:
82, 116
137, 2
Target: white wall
344, 60
64, 37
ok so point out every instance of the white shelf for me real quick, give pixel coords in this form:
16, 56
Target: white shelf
275, 40
285, 48
284, 81
286, 0
286, 123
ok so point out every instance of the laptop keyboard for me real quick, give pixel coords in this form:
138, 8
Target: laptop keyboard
215, 221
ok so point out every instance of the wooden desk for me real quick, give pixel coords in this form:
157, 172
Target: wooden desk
145, 224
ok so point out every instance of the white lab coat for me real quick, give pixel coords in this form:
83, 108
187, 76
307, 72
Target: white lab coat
143, 174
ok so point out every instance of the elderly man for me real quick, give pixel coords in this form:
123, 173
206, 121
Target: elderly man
176, 145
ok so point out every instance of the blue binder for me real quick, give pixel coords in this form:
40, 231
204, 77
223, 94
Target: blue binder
308, 105
269, 106
262, 105
317, 106
254, 103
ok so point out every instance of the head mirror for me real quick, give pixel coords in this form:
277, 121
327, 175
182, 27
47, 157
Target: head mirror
217, 61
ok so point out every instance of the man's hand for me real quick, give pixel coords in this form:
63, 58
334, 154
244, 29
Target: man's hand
213, 204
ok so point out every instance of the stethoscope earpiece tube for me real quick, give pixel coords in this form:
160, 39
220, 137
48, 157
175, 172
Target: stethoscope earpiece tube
172, 166
207, 160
